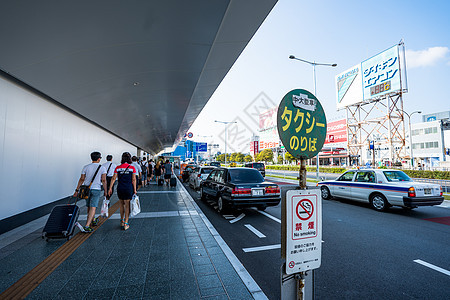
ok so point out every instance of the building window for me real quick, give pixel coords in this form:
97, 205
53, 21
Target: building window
430, 130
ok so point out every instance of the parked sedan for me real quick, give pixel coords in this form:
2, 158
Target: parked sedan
198, 175
239, 187
382, 188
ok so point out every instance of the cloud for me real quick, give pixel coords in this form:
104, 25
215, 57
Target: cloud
425, 58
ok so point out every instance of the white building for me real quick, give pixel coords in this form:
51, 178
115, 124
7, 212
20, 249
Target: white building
429, 143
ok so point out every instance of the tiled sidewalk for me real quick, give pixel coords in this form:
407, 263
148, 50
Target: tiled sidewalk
170, 252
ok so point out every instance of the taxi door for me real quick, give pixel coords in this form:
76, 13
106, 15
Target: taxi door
342, 188
365, 183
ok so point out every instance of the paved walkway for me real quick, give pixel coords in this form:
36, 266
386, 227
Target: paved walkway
171, 251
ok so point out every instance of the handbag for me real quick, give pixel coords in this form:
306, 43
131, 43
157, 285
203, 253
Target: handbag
105, 206
84, 191
135, 206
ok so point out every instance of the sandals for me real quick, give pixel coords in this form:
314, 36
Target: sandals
126, 226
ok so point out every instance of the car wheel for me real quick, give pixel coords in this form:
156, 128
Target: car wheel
379, 202
325, 193
222, 207
262, 207
202, 195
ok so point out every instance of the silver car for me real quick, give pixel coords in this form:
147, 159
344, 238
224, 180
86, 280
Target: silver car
198, 175
382, 188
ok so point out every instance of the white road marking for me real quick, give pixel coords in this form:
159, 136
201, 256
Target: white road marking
228, 217
262, 248
255, 231
237, 219
157, 192
269, 216
424, 263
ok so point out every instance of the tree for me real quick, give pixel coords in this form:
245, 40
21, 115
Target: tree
266, 155
289, 157
280, 159
239, 157
248, 158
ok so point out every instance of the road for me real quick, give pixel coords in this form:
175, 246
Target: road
399, 254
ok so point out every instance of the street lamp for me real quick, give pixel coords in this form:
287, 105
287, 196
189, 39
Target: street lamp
314, 64
226, 124
410, 135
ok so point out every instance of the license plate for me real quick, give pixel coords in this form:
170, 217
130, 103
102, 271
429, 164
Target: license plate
257, 192
427, 191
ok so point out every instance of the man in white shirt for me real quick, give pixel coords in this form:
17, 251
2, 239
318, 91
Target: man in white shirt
144, 167
151, 170
95, 173
110, 167
139, 171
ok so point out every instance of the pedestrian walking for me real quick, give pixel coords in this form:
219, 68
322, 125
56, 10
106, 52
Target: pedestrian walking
151, 167
93, 175
136, 165
126, 187
158, 170
144, 167
168, 171
110, 167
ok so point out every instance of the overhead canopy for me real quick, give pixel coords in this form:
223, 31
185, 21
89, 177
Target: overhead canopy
141, 69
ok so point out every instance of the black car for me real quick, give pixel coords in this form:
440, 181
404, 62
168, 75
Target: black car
214, 164
258, 166
239, 187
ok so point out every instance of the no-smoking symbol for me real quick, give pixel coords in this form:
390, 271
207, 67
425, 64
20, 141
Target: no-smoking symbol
291, 264
304, 209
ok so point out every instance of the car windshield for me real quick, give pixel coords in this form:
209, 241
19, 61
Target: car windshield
258, 166
392, 176
206, 170
245, 176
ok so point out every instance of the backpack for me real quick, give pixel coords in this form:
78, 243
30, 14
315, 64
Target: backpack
144, 168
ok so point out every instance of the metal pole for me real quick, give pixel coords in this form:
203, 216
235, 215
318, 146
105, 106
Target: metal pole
410, 143
225, 144
315, 94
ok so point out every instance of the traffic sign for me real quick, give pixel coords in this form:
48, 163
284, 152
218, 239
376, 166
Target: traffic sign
202, 147
301, 123
304, 230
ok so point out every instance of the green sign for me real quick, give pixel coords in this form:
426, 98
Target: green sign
302, 125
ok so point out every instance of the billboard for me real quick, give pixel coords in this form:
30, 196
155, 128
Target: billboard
268, 133
381, 74
348, 87
336, 133
373, 78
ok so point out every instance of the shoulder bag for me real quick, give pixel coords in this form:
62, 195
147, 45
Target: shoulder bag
84, 191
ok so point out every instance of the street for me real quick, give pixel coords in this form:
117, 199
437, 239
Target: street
399, 254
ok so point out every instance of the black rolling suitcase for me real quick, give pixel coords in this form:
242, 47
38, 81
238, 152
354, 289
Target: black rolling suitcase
160, 181
61, 222
173, 181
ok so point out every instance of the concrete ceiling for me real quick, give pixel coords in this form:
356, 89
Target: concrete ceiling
141, 69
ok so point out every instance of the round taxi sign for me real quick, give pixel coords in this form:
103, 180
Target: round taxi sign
301, 123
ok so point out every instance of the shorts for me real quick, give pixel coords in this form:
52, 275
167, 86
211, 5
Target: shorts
144, 176
167, 176
94, 197
125, 194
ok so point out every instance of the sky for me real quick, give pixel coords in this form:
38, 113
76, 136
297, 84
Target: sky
326, 31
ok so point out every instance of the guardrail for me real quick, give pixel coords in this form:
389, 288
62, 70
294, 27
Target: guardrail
444, 183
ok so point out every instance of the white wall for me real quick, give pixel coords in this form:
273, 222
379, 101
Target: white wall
43, 149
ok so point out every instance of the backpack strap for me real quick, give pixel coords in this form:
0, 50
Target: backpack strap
94, 176
108, 169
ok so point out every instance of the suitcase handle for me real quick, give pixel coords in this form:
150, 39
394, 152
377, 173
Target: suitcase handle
76, 200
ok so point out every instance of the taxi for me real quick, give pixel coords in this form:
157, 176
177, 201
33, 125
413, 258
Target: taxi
382, 188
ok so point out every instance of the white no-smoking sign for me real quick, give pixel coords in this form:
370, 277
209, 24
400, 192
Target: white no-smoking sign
304, 230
